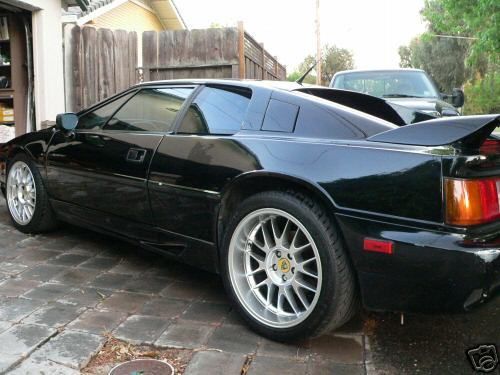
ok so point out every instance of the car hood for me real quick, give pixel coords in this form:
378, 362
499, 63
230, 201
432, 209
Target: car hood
432, 106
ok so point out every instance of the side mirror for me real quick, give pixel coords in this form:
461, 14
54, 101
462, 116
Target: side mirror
457, 98
447, 112
66, 121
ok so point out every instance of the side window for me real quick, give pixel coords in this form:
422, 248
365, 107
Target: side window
152, 110
216, 110
97, 118
280, 116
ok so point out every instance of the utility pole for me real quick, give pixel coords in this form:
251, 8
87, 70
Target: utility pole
318, 46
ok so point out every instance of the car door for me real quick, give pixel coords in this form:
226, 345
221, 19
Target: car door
191, 167
102, 166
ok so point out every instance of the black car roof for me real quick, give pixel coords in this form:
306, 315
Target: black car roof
282, 85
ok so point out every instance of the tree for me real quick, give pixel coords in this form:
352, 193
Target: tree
442, 58
334, 59
478, 19
295, 75
482, 95
405, 57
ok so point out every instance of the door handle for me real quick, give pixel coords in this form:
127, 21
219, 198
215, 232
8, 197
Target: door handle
136, 155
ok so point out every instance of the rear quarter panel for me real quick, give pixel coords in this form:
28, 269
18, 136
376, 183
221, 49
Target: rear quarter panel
362, 179
359, 180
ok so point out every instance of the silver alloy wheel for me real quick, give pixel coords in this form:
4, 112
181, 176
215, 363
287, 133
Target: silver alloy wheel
21, 193
275, 268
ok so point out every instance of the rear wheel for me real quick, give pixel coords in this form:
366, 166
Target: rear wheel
285, 267
27, 200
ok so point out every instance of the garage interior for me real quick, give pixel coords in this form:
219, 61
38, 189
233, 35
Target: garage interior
16, 77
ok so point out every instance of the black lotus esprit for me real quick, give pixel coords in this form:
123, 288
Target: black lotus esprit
304, 206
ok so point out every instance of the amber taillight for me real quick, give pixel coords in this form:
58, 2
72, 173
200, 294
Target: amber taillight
472, 202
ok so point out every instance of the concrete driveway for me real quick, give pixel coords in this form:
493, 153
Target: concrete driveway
62, 295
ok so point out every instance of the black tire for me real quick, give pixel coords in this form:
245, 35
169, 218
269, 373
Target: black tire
338, 299
43, 219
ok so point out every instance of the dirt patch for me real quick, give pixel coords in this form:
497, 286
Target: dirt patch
116, 351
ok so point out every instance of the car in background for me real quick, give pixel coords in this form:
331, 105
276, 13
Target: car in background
410, 88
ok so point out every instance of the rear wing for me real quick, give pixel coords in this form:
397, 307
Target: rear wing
464, 132
378, 107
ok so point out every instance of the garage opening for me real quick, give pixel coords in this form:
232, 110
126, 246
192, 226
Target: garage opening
16, 77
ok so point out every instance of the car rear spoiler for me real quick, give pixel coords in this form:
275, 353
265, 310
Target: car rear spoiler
465, 132
372, 105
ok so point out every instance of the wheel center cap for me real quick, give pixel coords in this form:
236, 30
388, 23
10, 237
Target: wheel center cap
280, 266
284, 265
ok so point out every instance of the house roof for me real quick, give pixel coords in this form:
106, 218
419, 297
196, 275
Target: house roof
166, 10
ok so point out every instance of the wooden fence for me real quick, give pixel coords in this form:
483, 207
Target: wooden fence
259, 64
98, 63
207, 53
101, 62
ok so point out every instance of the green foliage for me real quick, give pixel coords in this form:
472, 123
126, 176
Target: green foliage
405, 57
295, 75
443, 59
478, 19
333, 60
454, 62
483, 95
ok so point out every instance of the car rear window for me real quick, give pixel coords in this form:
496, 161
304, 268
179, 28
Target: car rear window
326, 118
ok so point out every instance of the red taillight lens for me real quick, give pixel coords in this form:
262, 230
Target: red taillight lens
472, 202
490, 147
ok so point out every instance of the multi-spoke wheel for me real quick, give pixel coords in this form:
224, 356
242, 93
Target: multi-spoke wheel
27, 199
275, 267
21, 193
285, 267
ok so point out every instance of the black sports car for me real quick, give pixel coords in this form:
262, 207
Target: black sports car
306, 207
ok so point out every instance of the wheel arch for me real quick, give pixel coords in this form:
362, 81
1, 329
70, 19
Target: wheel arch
11, 154
256, 182
253, 183
16, 150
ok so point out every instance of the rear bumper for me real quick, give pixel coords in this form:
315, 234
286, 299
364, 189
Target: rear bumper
428, 271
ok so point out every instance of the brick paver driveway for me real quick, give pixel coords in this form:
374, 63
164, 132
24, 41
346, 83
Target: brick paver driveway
63, 293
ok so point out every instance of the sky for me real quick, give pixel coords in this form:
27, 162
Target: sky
371, 29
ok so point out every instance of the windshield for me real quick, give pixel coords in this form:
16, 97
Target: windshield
388, 84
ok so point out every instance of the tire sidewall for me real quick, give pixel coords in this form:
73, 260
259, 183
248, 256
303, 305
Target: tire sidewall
326, 300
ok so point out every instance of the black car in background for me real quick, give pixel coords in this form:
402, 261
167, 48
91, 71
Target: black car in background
410, 88
306, 207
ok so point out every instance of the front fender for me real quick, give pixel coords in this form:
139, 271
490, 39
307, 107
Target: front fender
34, 145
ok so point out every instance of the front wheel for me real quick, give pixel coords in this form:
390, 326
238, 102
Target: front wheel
285, 267
27, 200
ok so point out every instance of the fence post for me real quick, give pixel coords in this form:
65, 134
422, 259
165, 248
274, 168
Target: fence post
241, 49
263, 61
72, 86
276, 67
149, 53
